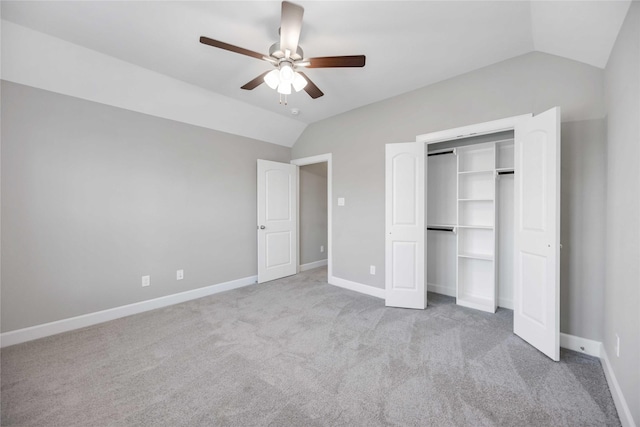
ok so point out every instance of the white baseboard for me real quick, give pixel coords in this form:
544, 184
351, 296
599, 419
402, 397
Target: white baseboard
618, 398
357, 287
312, 265
64, 325
443, 290
581, 345
595, 348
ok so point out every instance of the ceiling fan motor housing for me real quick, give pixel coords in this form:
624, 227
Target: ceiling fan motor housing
276, 52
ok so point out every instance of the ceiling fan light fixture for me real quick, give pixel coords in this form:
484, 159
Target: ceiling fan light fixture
286, 73
299, 82
272, 79
284, 88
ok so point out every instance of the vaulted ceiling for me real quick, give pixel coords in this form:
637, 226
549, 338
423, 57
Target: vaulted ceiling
408, 45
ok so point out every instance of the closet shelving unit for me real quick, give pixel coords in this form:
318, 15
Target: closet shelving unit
475, 263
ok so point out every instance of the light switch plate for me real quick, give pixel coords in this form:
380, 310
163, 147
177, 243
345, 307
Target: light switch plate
340, 201
146, 280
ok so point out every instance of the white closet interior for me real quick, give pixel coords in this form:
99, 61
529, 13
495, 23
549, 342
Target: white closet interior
470, 224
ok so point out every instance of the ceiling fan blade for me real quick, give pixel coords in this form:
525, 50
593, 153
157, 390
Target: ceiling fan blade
311, 88
290, 26
230, 47
337, 61
255, 82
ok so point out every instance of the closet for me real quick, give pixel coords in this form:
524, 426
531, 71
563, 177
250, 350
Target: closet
470, 220
474, 212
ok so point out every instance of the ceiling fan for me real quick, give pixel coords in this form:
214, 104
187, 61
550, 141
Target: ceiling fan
287, 56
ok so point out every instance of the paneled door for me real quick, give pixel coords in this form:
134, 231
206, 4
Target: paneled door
277, 239
405, 190
536, 316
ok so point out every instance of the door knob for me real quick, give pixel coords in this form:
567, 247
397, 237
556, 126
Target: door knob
262, 227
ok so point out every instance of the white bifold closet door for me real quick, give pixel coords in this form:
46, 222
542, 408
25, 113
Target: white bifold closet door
536, 315
405, 189
277, 220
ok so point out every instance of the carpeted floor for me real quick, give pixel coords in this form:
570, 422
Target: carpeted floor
300, 352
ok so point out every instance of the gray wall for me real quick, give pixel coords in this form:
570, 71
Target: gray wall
622, 291
582, 233
94, 197
530, 83
313, 212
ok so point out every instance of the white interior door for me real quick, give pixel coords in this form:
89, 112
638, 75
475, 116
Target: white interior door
405, 190
536, 315
277, 239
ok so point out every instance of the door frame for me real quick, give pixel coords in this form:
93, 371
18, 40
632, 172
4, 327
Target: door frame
320, 158
478, 129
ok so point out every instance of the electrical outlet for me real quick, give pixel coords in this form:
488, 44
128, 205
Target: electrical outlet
321, 248
179, 274
146, 280
372, 269
617, 345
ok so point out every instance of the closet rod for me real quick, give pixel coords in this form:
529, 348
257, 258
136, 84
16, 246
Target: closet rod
505, 172
452, 229
442, 152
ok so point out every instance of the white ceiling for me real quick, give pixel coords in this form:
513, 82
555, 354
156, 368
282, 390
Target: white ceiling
408, 44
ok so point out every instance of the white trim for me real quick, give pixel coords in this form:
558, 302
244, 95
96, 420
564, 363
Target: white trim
312, 265
64, 325
320, 158
477, 129
581, 345
357, 287
442, 290
312, 159
618, 398
298, 266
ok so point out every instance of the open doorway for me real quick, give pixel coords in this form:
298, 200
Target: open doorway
314, 212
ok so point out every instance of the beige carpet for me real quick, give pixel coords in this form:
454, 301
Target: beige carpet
300, 352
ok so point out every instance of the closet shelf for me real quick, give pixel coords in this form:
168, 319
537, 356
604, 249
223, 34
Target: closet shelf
476, 172
485, 257
475, 200
441, 152
481, 227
